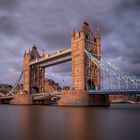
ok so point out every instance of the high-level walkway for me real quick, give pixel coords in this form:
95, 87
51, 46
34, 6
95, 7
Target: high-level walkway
53, 59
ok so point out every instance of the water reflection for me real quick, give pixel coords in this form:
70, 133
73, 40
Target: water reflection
69, 123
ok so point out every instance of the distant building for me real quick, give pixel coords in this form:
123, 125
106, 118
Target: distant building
18, 89
66, 88
5, 88
51, 86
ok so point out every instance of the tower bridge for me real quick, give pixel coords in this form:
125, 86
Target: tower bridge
82, 76
87, 68
85, 54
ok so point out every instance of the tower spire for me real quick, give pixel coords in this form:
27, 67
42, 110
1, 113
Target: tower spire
98, 32
85, 26
34, 46
29, 51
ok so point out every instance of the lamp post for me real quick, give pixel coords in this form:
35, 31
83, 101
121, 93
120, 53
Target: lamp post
43, 52
62, 84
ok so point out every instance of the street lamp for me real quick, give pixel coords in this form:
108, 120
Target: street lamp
43, 51
62, 84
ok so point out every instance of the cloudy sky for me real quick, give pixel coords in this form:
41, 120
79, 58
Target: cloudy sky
48, 24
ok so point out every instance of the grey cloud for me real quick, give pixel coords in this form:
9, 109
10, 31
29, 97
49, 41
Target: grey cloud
63, 68
60, 72
49, 24
111, 52
12, 51
129, 4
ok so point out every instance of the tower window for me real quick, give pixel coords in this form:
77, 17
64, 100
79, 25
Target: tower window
87, 37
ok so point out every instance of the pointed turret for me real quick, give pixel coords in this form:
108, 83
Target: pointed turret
98, 33
34, 53
98, 37
34, 46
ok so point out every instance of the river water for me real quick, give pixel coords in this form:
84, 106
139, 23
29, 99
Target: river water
117, 122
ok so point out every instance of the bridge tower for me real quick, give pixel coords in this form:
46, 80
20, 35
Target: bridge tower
33, 76
85, 75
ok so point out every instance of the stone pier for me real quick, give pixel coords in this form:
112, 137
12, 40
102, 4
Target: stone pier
82, 98
22, 99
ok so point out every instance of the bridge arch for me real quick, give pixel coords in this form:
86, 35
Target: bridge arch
35, 90
91, 85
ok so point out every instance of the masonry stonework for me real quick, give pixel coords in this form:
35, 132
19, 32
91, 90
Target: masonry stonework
33, 76
85, 75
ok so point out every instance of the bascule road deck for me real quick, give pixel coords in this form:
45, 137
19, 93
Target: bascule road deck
116, 92
53, 59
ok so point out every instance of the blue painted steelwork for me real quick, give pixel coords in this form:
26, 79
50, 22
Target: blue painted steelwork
15, 85
116, 92
112, 69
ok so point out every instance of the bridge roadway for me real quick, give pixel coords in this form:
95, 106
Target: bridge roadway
38, 96
53, 59
116, 92
128, 92
42, 96
6, 97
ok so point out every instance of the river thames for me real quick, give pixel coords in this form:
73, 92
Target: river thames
117, 122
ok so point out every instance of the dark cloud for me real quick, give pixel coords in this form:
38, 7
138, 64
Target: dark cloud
7, 25
48, 23
8, 4
58, 41
130, 4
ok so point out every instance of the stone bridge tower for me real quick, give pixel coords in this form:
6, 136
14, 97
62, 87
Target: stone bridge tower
85, 75
33, 76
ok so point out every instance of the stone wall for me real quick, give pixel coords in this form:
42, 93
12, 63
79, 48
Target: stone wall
24, 99
74, 98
